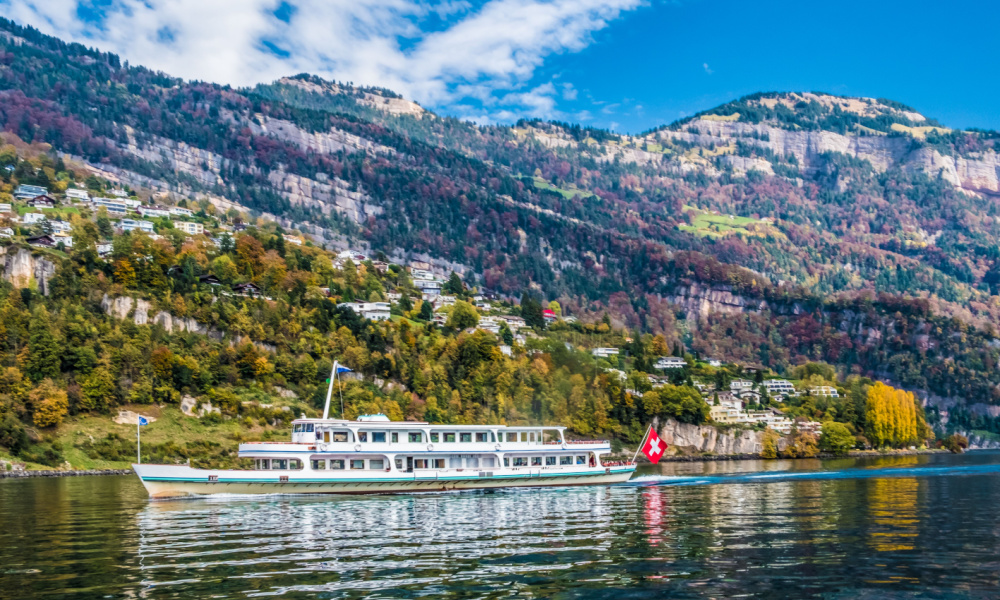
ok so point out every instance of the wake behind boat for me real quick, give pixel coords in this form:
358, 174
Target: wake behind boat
376, 455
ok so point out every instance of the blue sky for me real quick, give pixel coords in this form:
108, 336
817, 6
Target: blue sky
625, 64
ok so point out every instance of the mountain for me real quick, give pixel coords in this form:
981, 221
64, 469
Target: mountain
775, 229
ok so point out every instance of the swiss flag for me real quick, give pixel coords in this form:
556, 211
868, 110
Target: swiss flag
654, 447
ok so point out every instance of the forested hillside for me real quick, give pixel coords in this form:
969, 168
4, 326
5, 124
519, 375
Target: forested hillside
774, 230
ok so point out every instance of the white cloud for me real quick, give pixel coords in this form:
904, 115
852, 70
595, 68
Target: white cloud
707, 68
489, 52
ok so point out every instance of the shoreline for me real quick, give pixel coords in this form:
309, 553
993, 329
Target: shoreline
54, 473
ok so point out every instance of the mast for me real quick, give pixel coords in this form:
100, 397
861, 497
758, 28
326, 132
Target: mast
329, 392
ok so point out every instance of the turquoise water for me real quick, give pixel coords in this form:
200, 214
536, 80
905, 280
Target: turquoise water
906, 527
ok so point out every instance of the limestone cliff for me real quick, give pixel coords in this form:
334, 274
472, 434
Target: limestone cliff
23, 268
706, 438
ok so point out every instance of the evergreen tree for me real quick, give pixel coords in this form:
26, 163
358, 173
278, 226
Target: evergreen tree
531, 312
426, 311
43, 350
454, 285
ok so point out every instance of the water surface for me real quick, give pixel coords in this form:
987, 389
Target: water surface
906, 527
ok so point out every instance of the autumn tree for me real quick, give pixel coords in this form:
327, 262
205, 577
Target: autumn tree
891, 416
49, 403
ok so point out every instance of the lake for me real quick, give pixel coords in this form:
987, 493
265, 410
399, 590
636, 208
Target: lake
902, 527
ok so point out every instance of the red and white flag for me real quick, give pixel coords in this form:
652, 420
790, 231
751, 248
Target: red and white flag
654, 447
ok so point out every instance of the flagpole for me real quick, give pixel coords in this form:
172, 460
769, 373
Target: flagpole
138, 441
340, 388
329, 392
644, 436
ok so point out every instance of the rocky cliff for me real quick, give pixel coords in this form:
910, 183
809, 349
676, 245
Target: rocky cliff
706, 438
23, 268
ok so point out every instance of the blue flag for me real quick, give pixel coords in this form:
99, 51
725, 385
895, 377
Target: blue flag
143, 421
343, 369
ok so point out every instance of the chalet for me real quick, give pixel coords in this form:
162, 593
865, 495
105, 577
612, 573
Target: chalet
27, 192
42, 241
247, 289
604, 352
570, 319
514, 321
489, 324
750, 397
549, 315
380, 266
42, 201
208, 279
59, 226
670, 362
440, 301
440, 318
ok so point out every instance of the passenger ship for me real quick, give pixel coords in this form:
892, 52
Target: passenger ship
376, 455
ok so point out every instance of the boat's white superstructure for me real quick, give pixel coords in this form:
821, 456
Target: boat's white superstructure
376, 455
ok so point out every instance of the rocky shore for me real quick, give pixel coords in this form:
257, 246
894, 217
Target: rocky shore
72, 473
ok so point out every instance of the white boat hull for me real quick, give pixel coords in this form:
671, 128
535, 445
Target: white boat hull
172, 481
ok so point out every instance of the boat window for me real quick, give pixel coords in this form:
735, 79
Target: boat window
488, 461
455, 462
318, 465
531, 436
493, 437
420, 463
378, 437
340, 436
536, 461
337, 463
481, 436
394, 437
434, 437
294, 464
319, 435
506, 461
297, 428
550, 461
438, 463
362, 436
399, 464
511, 437
449, 437
416, 437
581, 460
465, 437
472, 463
309, 428
261, 463
358, 464
520, 461
279, 463
565, 460
376, 464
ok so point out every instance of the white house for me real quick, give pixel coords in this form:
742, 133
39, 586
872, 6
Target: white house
6, 208
604, 352
779, 387
670, 362
740, 385
64, 238
61, 226
114, 207
78, 195
32, 218
27, 192
154, 212
132, 224
825, 391
104, 249
119, 193
6, 232
180, 211
373, 311
714, 362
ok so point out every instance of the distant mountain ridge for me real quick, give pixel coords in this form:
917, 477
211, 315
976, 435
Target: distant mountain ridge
832, 207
